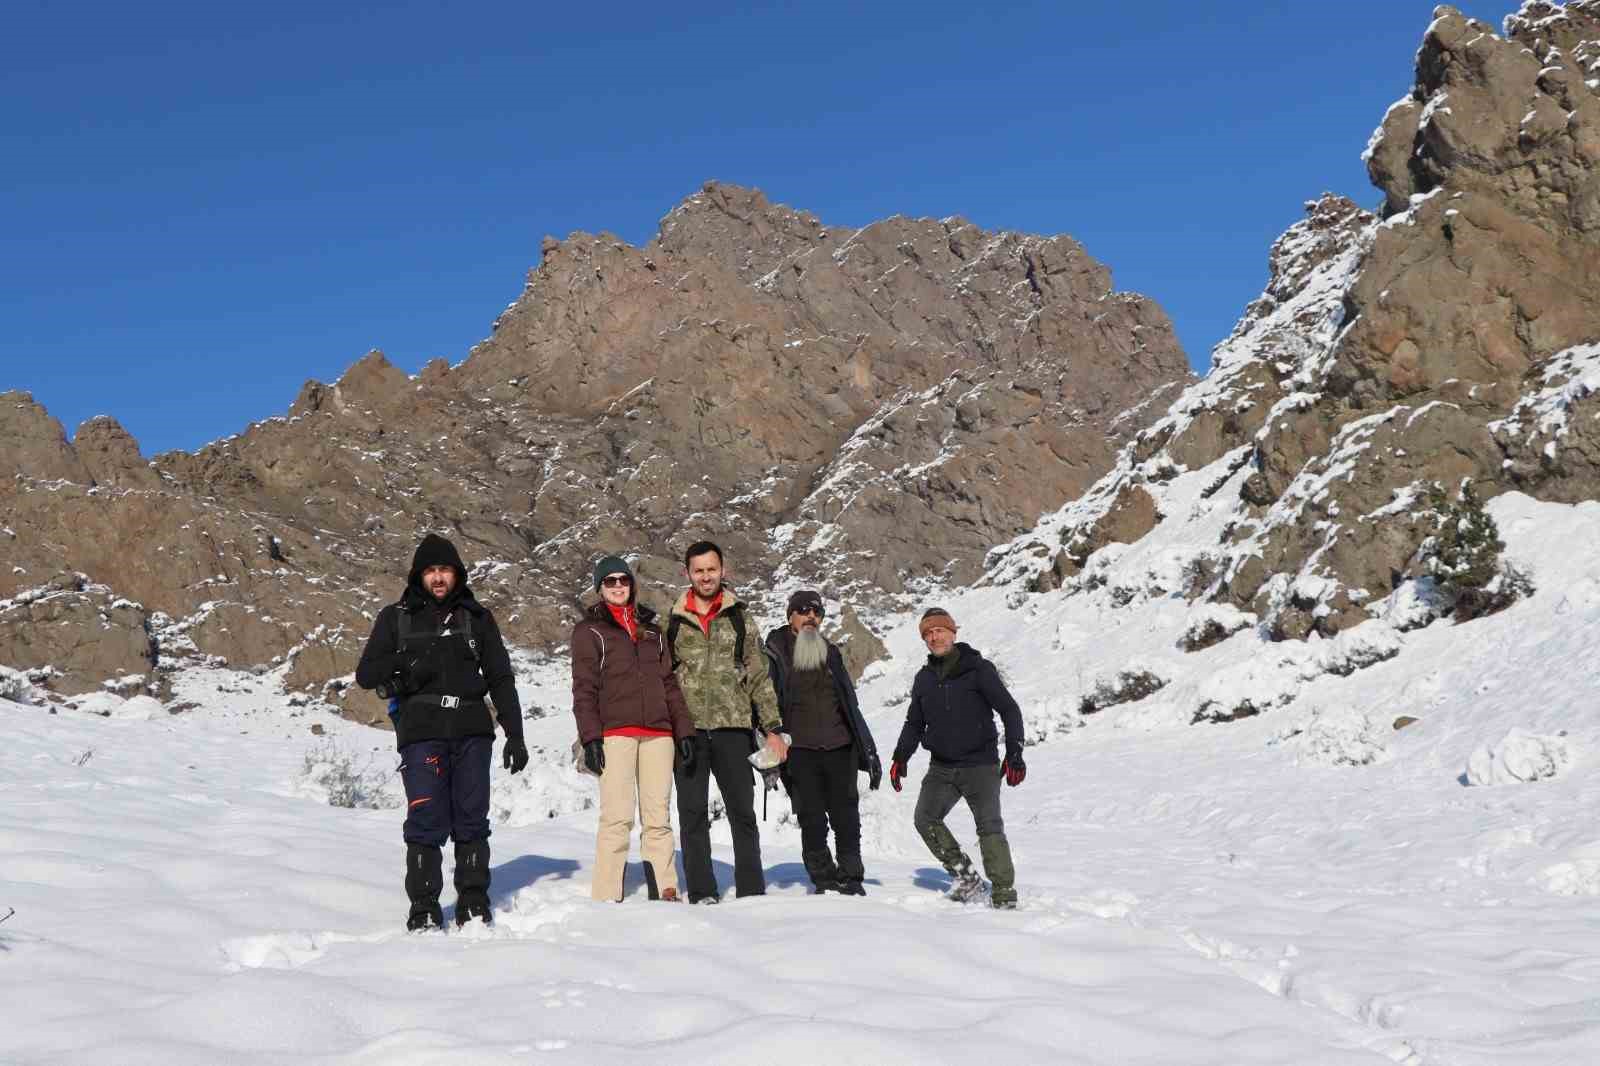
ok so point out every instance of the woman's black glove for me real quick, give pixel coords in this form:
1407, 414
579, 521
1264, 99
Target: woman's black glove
688, 752
594, 756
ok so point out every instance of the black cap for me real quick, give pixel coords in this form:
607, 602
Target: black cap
807, 598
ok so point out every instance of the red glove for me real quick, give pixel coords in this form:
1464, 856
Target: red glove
1013, 769
897, 770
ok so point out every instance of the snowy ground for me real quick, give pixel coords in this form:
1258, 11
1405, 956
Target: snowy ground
1306, 886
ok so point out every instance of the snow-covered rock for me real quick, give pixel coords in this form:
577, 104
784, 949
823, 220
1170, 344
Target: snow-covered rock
1518, 757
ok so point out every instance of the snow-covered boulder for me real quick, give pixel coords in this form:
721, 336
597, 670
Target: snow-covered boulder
1518, 757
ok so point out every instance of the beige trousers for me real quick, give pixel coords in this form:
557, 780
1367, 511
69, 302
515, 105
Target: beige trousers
638, 771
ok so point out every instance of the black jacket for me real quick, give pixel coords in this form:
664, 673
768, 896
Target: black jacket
437, 665
780, 662
954, 717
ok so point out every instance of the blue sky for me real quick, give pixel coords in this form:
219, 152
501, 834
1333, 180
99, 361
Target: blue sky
207, 204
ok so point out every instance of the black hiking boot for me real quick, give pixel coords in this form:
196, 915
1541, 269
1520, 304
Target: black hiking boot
825, 884
473, 905
851, 887
424, 879
420, 921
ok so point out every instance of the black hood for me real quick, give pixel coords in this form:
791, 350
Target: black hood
437, 551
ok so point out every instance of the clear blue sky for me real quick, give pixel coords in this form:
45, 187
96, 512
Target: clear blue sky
207, 204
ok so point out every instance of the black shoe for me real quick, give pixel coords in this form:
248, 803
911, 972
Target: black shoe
826, 884
851, 888
473, 906
1003, 904
422, 920
708, 900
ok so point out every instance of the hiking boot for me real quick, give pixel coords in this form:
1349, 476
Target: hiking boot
968, 886
707, 900
1000, 903
473, 905
669, 895
825, 884
851, 887
425, 919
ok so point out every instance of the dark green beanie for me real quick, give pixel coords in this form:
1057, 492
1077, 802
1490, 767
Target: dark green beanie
612, 564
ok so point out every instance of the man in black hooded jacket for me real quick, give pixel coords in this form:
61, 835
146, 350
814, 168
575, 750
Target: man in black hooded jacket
438, 653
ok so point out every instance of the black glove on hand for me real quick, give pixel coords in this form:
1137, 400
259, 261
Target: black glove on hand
515, 756
594, 756
1013, 769
687, 755
874, 772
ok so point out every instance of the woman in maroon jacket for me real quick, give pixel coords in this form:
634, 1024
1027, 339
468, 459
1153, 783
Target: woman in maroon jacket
630, 713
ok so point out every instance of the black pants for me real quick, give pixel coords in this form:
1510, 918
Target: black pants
724, 753
822, 787
447, 789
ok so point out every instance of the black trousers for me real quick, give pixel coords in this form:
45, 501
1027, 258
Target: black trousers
725, 755
447, 790
822, 788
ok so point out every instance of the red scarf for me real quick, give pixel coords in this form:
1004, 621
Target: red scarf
627, 618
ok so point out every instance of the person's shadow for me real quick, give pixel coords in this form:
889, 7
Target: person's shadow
932, 877
509, 878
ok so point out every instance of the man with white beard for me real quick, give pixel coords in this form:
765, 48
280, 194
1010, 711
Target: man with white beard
829, 744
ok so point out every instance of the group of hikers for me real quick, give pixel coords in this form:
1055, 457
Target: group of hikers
658, 704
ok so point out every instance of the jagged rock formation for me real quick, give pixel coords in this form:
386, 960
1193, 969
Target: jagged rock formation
855, 408
1453, 338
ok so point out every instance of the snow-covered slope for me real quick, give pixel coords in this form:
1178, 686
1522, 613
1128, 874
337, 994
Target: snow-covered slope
1304, 886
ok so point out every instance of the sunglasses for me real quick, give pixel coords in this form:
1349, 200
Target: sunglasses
817, 611
616, 581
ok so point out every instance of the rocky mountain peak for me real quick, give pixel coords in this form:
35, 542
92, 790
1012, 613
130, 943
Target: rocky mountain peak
862, 409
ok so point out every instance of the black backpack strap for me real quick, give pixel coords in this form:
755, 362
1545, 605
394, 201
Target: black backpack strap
402, 627
737, 618
463, 617
672, 638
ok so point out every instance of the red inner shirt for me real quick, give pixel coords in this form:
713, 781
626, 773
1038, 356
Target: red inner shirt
705, 617
627, 618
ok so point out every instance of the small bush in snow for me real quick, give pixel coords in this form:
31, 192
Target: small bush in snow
1339, 739
1464, 555
1518, 757
331, 770
15, 686
1213, 627
1220, 711
1128, 686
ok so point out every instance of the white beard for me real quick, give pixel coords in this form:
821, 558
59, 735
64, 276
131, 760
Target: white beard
810, 650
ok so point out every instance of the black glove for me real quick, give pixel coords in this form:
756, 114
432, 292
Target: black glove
515, 756
897, 771
1013, 769
594, 756
874, 772
688, 753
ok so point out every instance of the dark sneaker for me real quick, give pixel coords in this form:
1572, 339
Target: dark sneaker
423, 920
1003, 903
851, 888
707, 900
826, 884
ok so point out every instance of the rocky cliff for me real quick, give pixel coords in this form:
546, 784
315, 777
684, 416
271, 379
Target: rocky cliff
1447, 342
863, 408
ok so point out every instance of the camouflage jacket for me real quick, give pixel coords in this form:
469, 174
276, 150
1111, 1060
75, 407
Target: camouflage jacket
718, 691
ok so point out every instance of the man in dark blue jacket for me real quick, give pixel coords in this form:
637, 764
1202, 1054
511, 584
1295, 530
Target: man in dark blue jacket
954, 699
438, 653
829, 744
